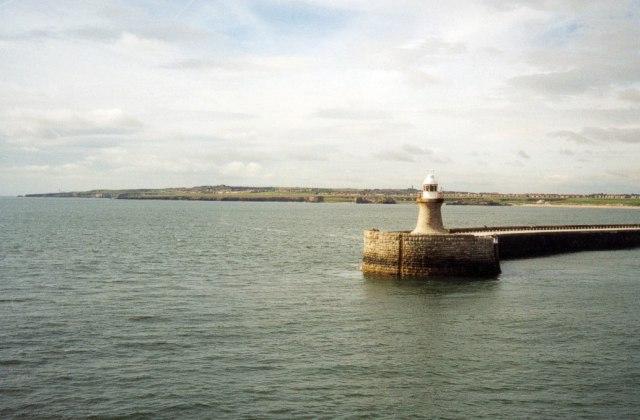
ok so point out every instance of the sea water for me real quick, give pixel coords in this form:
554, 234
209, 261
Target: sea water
174, 309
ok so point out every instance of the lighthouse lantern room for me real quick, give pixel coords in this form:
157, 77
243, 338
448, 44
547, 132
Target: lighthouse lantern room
430, 187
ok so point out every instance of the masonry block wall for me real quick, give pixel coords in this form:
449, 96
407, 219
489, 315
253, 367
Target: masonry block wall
381, 252
404, 255
532, 244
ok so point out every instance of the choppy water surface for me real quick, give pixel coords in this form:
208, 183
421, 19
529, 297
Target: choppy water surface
114, 308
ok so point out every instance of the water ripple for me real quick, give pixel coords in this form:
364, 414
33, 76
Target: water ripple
122, 309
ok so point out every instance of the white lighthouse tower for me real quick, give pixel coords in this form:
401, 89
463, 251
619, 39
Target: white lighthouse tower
430, 202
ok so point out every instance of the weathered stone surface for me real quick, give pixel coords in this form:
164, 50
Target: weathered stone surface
429, 217
404, 254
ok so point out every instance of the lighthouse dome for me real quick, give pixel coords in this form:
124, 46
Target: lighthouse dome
430, 180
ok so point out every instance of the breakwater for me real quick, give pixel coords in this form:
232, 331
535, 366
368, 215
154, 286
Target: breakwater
477, 251
532, 241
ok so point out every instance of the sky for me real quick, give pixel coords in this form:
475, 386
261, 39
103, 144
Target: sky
495, 95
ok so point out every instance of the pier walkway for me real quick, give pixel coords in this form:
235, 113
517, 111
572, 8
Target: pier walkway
532, 241
509, 230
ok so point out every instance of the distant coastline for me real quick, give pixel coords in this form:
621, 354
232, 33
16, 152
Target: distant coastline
351, 195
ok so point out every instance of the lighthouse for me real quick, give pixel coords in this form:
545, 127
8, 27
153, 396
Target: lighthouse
430, 201
430, 249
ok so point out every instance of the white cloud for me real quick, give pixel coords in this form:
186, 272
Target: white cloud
352, 93
630, 95
592, 135
413, 153
242, 169
28, 126
351, 114
135, 45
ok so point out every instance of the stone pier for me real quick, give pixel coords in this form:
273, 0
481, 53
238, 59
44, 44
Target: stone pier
405, 254
432, 250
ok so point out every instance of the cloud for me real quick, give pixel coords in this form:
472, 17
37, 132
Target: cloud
34, 35
148, 22
136, 45
395, 156
589, 77
412, 153
351, 114
242, 169
557, 83
417, 50
572, 136
99, 34
240, 64
92, 33
592, 135
613, 134
417, 150
418, 62
631, 174
590, 53
63, 125
515, 163
307, 155
99, 22
289, 17
630, 95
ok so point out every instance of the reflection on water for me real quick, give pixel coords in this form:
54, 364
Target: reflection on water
377, 286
